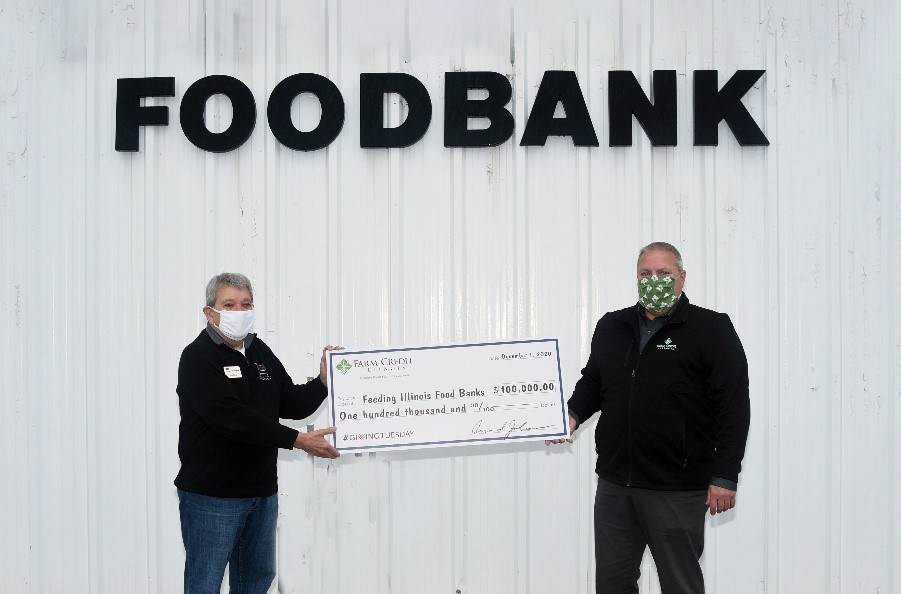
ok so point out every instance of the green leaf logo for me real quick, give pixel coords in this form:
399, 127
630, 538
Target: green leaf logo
343, 366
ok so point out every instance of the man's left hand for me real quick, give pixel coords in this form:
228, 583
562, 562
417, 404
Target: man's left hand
719, 499
323, 366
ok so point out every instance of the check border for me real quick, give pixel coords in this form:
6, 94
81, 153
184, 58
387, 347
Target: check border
399, 446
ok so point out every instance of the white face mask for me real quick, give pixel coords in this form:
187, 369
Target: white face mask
235, 325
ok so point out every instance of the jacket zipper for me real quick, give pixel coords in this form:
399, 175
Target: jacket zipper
632, 392
629, 418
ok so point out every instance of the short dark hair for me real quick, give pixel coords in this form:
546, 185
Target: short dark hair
664, 247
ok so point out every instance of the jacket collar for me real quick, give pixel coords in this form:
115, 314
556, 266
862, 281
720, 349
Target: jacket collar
217, 338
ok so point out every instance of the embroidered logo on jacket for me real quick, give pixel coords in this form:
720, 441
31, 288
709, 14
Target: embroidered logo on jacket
264, 375
668, 345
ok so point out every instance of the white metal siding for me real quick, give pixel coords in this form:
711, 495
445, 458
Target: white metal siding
103, 258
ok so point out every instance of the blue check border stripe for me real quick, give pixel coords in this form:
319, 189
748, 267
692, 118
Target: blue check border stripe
510, 438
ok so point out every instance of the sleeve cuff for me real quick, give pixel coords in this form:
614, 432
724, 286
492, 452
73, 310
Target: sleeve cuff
724, 483
287, 437
323, 389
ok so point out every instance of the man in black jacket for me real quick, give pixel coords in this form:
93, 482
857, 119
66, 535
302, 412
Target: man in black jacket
232, 390
671, 382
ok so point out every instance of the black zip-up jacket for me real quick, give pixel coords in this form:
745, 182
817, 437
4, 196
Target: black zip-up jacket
230, 404
675, 415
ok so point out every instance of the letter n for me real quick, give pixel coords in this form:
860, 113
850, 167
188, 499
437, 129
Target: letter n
625, 99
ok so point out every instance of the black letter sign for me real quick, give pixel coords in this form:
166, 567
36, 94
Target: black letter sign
559, 86
711, 106
279, 111
626, 99
244, 113
373, 88
458, 107
130, 113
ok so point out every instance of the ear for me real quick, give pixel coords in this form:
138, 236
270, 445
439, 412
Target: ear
211, 316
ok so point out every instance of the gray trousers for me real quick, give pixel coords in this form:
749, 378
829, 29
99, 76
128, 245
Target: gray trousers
671, 523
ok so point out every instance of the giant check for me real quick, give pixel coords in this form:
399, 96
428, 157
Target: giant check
446, 395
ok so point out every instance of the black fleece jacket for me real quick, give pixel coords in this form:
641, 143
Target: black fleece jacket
675, 415
230, 404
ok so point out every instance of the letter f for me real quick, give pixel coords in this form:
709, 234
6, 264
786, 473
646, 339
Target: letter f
130, 114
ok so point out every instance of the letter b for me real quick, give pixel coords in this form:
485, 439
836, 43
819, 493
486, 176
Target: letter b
458, 108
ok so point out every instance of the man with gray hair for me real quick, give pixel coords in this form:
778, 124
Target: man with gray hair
232, 390
670, 380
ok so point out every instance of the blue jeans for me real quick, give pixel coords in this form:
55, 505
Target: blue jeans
239, 532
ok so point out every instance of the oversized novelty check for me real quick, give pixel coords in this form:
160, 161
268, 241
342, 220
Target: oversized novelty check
435, 396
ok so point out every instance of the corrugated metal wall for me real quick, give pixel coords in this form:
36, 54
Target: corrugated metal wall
103, 257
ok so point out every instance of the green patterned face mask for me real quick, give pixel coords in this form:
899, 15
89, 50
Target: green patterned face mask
656, 293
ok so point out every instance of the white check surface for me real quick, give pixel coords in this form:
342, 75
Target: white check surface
438, 396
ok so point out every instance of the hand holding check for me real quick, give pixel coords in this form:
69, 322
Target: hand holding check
572, 429
323, 365
315, 443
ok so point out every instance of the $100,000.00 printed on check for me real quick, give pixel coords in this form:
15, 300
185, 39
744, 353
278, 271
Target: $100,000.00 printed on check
434, 396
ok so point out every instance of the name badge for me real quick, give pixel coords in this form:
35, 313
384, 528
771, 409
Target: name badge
232, 371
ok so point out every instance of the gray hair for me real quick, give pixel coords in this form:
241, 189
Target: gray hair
232, 279
665, 247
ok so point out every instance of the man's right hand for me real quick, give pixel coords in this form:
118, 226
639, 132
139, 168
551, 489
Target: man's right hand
572, 429
314, 443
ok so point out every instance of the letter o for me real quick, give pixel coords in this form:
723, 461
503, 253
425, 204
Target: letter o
278, 111
244, 113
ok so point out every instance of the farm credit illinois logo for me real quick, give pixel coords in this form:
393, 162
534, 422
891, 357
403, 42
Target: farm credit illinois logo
377, 364
656, 111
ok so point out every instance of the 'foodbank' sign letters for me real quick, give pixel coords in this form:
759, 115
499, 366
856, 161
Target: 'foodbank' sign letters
711, 104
